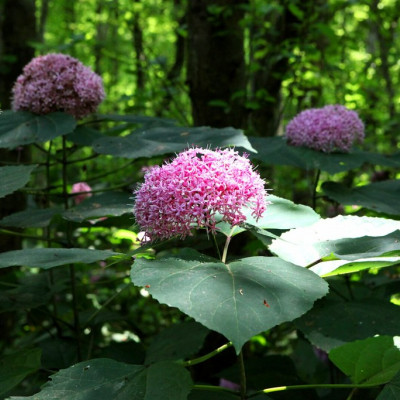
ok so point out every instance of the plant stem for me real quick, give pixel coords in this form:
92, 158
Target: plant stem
228, 240
201, 359
314, 195
316, 386
216, 245
243, 388
212, 388
105, 305
77, 326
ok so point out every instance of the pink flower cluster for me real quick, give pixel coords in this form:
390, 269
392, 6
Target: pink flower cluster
330, 128
80, 187
57, 82
188, 192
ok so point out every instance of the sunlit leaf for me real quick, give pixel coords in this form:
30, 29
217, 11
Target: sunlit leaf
238, 299
306, 245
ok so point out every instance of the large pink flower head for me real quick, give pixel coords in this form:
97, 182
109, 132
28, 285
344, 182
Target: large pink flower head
57, 82
191, 190
330, 128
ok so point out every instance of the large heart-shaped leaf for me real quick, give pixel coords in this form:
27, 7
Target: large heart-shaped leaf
169, 139
306, 245
21, 128
238, 299
354, 320
14, 367
50, 257
14, 177
374, 360
379, 196
108, 379
276, 151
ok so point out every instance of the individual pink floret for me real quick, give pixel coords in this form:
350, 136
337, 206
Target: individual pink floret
188, 192
57, 82
78, 188
330, 128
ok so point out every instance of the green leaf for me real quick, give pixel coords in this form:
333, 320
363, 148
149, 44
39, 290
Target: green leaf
342, 267
143, 120
380, 196
306, 245
84, 135
283, 214
201, 394
353, 320
31, 218
51, 257
176, 342
374, 360
21, 128
391, 391
108, 379
16, 366
280, 214
109, 204
239, 299
14, 177
169, 139
275, 151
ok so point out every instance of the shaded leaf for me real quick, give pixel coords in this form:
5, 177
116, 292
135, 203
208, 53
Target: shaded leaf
108, 379
165, 140
102, 205
13, 178
19, 128
16, 366
176, 342
375, 360
391, 391
353, 320
379, 196
84, 135
239, 299
50, 257
275, 151
31, 218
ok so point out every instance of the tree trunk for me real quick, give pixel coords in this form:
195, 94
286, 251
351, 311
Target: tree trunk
216, 62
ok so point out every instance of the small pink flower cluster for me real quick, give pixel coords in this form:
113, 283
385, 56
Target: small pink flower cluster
57, 82
188, 192
330, 128
80, 187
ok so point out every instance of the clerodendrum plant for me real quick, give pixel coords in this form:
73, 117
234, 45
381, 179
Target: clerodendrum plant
202, 188
219, 192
